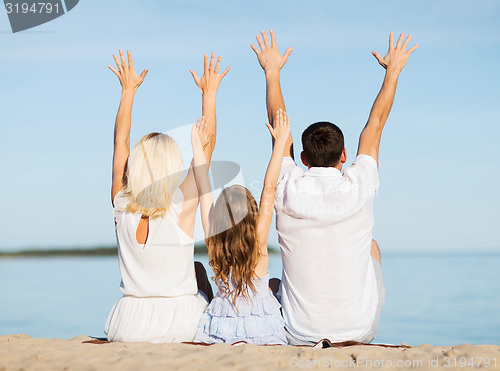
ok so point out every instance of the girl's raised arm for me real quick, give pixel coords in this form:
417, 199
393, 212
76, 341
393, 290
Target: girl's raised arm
130, 81
280, 133
201, 137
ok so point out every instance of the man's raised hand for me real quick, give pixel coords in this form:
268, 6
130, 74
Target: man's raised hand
129, 79
269, 57
211, 78
397, 56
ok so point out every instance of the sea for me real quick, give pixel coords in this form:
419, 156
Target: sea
432, 298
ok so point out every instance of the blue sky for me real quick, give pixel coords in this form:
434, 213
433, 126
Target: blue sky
439, 162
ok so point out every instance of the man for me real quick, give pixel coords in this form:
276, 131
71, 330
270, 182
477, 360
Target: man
332, 279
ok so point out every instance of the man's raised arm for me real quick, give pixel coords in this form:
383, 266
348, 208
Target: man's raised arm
271, 62
393, 62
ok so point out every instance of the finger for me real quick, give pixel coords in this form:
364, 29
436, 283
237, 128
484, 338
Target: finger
130, 62
205, 64
287, 53
400, 40
254, 48
259, 41
217, 65
212, 62
377, 56
273, 39
144, 73
122, 58
115, 71
266, 41
118, 64
198, 122
278, 117
391, 40
413, 48
270, 129
405, 44
195, 77
225, 72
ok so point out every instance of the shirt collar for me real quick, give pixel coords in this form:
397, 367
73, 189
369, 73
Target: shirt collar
324, 171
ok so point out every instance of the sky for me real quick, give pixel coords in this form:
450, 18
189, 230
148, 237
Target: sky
439, 158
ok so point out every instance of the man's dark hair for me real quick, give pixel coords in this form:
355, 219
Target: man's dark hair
323, 143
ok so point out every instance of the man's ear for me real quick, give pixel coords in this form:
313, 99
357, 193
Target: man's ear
304, 159
343, 156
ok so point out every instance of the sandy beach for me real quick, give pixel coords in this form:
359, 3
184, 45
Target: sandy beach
22, 352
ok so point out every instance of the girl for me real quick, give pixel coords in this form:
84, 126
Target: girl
236, 233
154, 222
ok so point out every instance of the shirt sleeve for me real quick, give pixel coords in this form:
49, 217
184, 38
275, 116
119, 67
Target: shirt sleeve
120, 203
365, 168
288, 167
176, 204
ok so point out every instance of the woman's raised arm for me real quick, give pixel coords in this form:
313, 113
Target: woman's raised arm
201, 137
130, 81
208, 84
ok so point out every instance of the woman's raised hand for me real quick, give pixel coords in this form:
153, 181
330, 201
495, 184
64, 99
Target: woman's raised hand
129, 79
210, 81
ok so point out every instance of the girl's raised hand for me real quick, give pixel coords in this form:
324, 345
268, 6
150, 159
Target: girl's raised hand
281, 130
129, 79
200, 135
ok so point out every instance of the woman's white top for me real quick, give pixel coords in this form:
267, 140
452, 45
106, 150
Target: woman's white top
161, 302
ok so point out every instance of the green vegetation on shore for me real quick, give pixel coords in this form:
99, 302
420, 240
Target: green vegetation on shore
96, 251
199, 249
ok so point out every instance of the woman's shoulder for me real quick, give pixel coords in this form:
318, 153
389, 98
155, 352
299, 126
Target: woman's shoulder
120, 202
175, 207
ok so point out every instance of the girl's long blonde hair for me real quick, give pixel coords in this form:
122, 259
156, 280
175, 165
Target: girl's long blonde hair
233, 247
153, 172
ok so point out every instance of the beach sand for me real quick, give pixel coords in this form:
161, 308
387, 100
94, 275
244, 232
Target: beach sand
22, 352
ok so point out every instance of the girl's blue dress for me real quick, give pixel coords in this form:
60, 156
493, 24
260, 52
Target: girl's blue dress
257, 320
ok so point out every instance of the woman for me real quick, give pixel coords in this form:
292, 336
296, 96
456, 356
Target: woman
154, 222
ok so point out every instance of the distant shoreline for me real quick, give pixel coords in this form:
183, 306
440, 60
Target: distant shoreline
199, 249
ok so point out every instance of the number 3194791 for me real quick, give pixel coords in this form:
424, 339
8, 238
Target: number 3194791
37, 8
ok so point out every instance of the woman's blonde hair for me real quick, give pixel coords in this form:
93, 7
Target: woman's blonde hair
153, 172
233, 245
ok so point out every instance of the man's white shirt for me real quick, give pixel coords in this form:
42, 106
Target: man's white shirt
324, 220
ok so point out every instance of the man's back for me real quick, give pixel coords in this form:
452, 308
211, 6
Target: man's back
330, 285
325, 221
